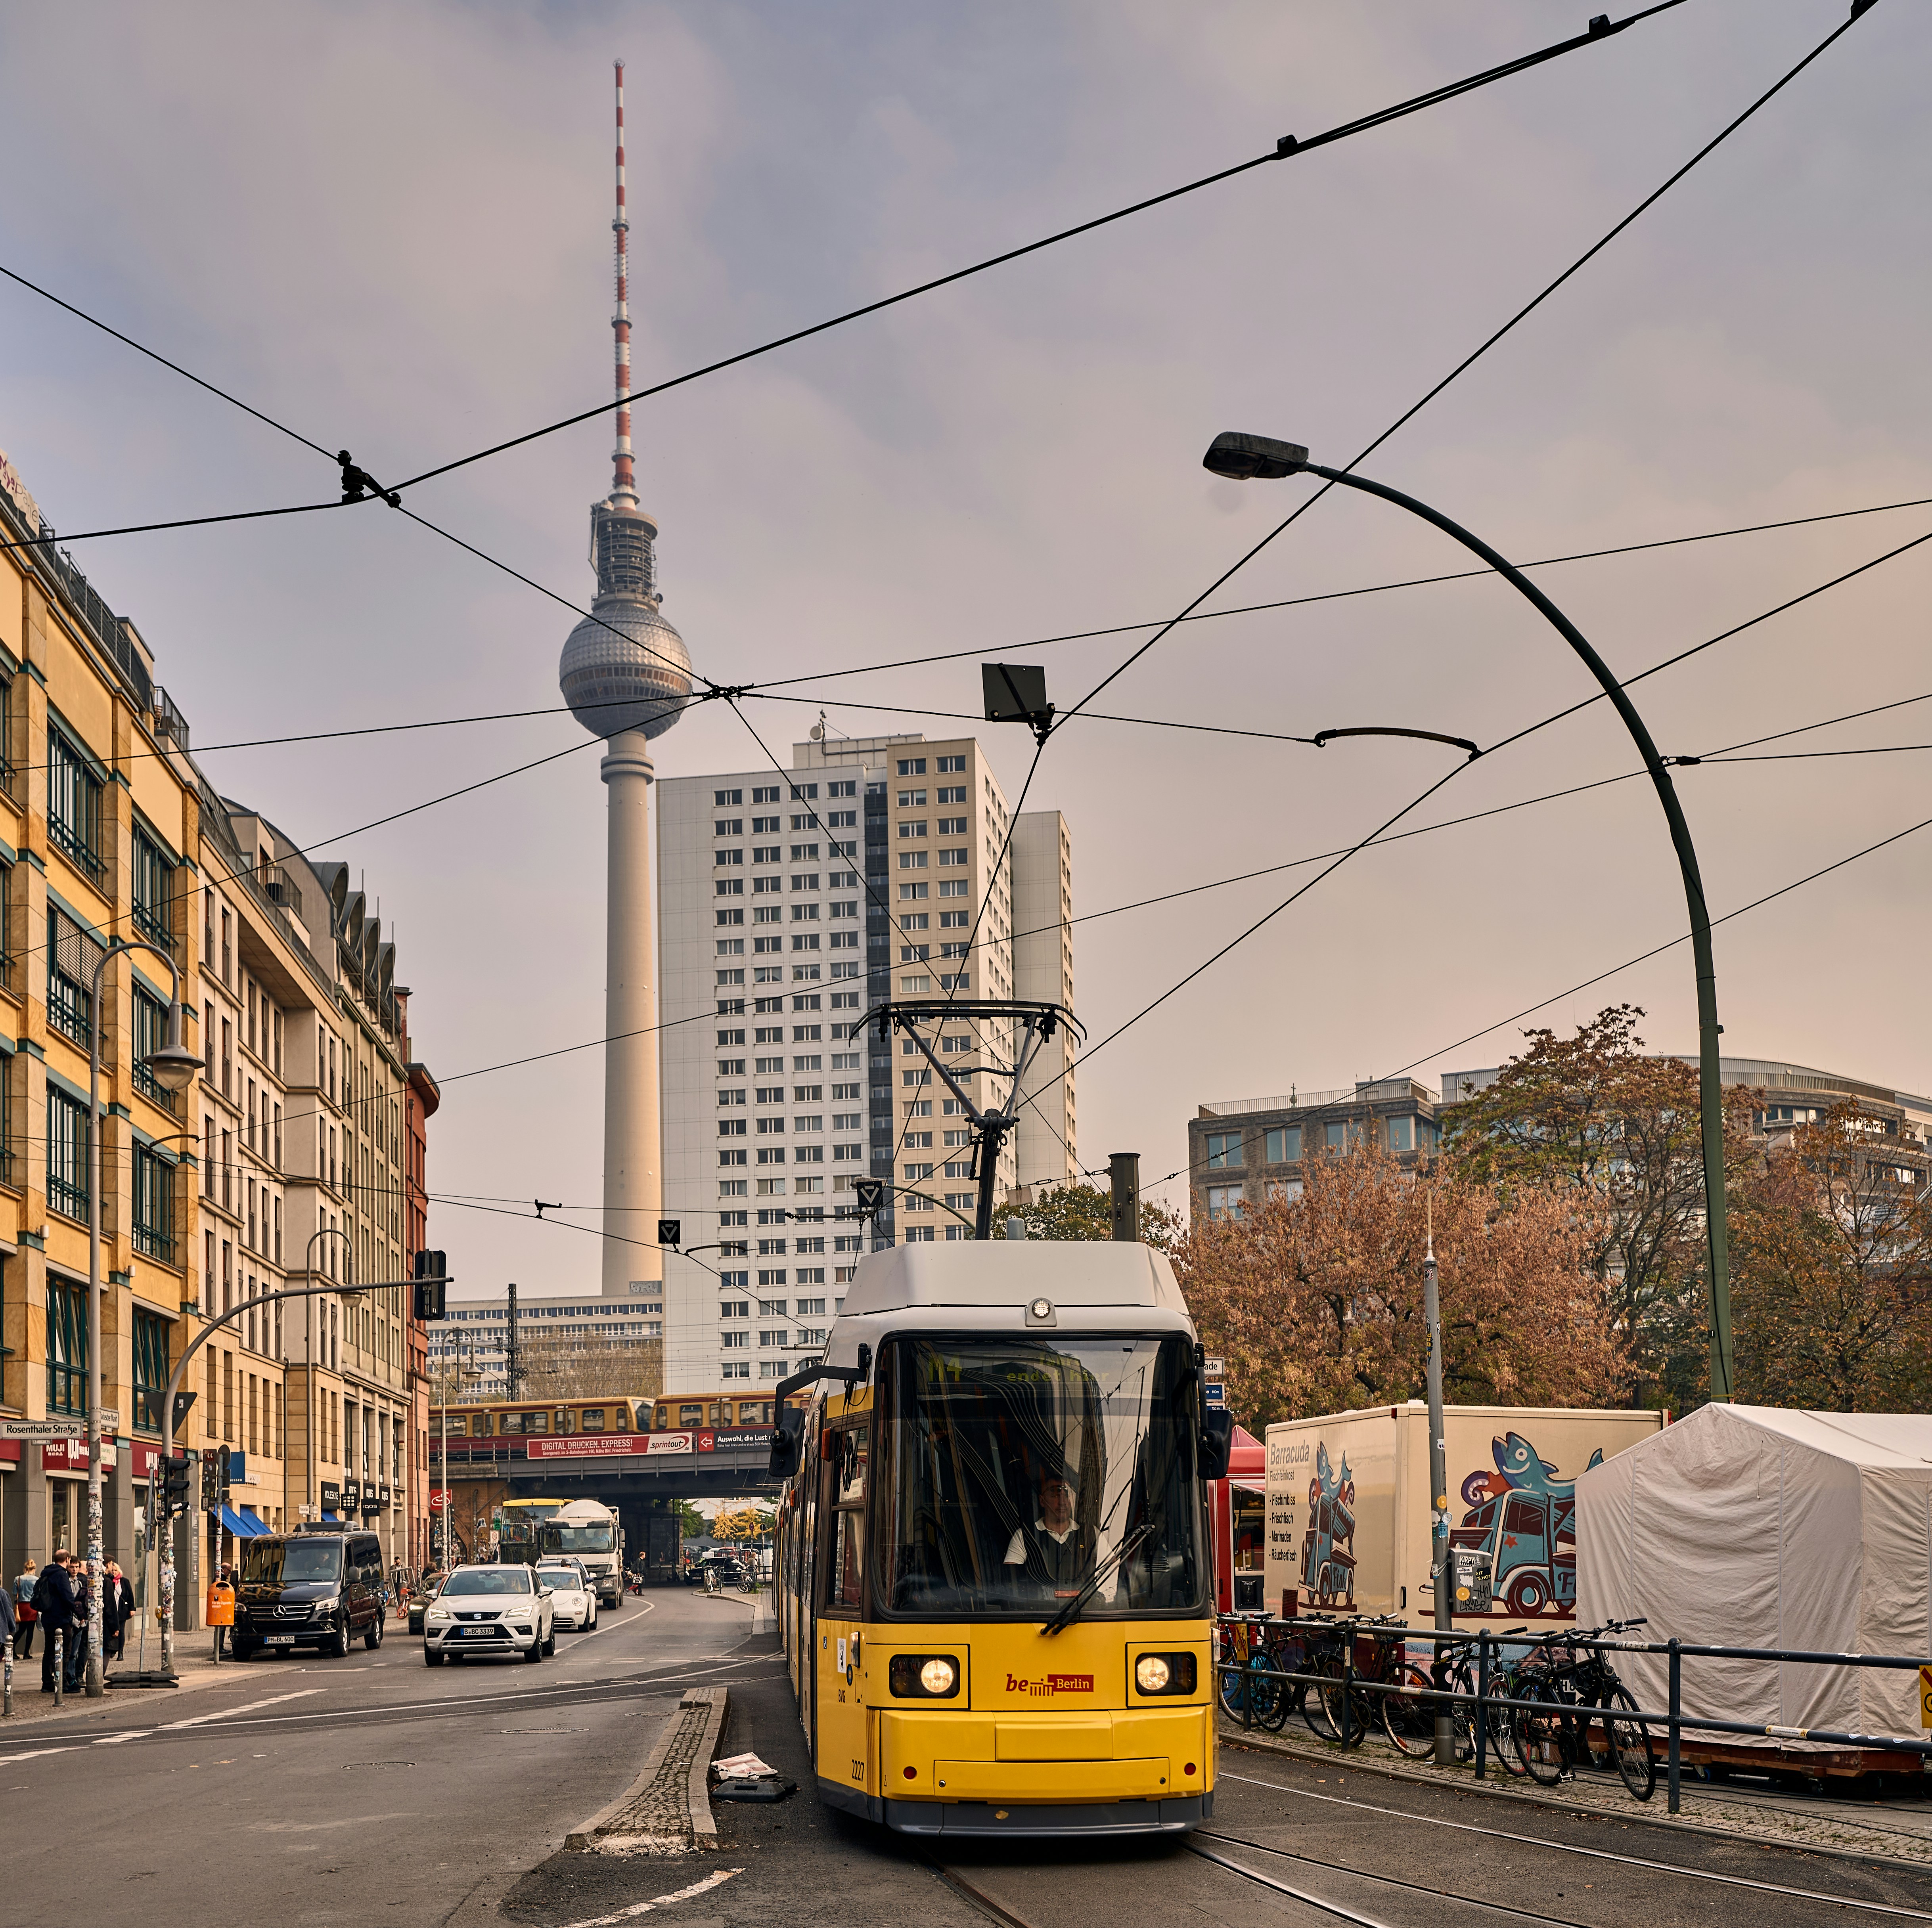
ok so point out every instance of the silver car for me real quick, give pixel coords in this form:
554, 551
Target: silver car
498, 1610
573, 1592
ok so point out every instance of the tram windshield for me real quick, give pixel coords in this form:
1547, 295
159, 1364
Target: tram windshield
1024, 1467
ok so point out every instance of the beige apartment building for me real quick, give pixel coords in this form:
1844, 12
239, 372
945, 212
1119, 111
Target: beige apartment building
111, 834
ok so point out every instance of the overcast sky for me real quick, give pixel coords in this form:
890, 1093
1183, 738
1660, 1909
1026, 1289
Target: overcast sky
389, 228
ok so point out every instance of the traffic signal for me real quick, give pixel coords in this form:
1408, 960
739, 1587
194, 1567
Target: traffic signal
871, 1193
670, 1232
216, 1473
174, 1487
430, 1291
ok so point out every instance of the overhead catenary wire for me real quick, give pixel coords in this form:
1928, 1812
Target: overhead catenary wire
1476, 355
1288, 148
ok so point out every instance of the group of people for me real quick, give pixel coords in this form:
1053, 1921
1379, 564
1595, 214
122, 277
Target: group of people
58, 1599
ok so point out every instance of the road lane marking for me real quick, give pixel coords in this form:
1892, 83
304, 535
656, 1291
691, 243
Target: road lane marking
637, 1908
133, 1733
228, 1712
69, 1748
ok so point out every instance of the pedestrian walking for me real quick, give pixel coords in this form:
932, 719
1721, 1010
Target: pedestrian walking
25, 1614
124, 1591
114, 1611
221, 1611
53, 1599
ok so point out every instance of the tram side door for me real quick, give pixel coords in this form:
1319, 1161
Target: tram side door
844, 1753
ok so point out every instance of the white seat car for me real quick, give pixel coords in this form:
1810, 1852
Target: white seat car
500, 1610
573, 1592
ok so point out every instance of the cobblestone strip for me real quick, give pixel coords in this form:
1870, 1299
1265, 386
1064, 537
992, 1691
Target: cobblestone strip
654, 1816
1830, 1833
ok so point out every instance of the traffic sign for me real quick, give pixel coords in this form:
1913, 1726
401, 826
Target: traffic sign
438, 1499
110, 1419
1213, 1368
1216, 1395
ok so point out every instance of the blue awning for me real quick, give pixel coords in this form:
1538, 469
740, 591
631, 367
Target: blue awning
243, 1526
336, 1518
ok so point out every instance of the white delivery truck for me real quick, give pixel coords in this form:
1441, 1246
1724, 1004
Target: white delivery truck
1348, 1505
589, 1531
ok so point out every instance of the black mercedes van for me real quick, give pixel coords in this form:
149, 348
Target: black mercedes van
319, 1590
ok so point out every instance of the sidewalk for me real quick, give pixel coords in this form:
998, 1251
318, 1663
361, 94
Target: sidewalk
197, 1670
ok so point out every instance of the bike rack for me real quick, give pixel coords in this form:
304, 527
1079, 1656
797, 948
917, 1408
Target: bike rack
1673, 1720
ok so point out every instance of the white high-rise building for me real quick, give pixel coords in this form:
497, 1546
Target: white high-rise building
790, 903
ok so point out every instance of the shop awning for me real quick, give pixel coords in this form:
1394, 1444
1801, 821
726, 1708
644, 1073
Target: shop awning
243, 1526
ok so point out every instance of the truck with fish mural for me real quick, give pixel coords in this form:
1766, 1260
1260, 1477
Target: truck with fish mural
1349, 1511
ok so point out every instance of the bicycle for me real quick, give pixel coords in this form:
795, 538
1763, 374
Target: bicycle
1580, 1694
1337, 1708
1247, 1679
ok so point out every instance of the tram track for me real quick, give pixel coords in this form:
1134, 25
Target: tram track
1817, 1895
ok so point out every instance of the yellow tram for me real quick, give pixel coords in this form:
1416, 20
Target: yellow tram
994, 1583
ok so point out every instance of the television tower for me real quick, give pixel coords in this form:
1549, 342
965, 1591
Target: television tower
626, 676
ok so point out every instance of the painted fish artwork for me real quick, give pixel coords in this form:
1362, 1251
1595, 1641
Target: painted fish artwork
1327, 1547
1522, 1513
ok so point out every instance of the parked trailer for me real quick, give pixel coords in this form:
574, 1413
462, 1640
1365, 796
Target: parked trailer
1348, 1505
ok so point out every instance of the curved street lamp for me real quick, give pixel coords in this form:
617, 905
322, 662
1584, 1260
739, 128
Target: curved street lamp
174, 1067
1260, 457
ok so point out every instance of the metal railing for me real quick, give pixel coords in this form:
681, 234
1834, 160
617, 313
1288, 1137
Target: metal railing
1490, 1649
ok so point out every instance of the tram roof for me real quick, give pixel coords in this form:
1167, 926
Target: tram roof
987, 1285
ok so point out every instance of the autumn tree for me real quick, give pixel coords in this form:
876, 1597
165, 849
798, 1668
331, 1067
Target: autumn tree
1083, 1211
1315, 1302
1831, 1270
1596, 1114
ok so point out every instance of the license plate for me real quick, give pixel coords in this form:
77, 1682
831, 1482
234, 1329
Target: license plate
474, 1632
280, 1640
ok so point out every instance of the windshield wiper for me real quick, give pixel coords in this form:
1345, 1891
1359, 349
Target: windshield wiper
1070, 1611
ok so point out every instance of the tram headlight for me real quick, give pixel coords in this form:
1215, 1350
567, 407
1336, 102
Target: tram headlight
924, 1676
1165, 1674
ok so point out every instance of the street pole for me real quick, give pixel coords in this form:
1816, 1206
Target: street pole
1438, 1495
1249, 456
167, 1063
180, 1374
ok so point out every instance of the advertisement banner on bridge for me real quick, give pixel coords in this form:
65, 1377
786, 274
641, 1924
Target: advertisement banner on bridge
608, 1445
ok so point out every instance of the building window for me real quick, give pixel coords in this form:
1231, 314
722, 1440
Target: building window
1402, 1135
1224, 1149
151, 1369
66, 1347
151, 1033
67, 1154
154, 891
1284, 1144
73, 957
154, 1205
1223, 1200
1341, 1136
73, 804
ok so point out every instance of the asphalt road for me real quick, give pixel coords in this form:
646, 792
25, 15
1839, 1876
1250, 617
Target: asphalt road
300, 1791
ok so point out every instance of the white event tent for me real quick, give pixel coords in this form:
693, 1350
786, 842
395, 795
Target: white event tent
1755, 1526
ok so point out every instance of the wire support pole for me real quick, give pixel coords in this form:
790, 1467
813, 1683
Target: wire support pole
1710, 1084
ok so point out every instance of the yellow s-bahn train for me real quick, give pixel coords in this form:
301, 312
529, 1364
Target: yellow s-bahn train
993, 1575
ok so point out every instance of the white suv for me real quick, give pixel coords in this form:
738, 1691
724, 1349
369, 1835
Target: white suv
500, 1610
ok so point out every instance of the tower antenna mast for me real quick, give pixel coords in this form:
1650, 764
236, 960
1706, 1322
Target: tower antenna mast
624, 487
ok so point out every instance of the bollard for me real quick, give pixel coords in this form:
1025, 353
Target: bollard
1676, 1709
1482, 1703
60, 1664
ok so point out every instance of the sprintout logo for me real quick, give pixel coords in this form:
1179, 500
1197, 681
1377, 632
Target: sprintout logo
1052, 1684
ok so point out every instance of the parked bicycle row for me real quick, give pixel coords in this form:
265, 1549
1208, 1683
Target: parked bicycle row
1548, 1705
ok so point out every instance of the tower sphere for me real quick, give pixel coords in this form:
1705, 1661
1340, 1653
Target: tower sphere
639, 680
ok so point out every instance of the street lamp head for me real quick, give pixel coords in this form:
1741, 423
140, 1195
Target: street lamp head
1253, 458
174, 1067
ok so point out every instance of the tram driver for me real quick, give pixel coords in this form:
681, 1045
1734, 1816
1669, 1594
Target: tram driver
1055, 1554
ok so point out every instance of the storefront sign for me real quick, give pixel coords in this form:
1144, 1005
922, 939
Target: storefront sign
331, 1497
438, 1499
373, 1504
609, 1445
352, 1495
69, 1456
146, 1458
